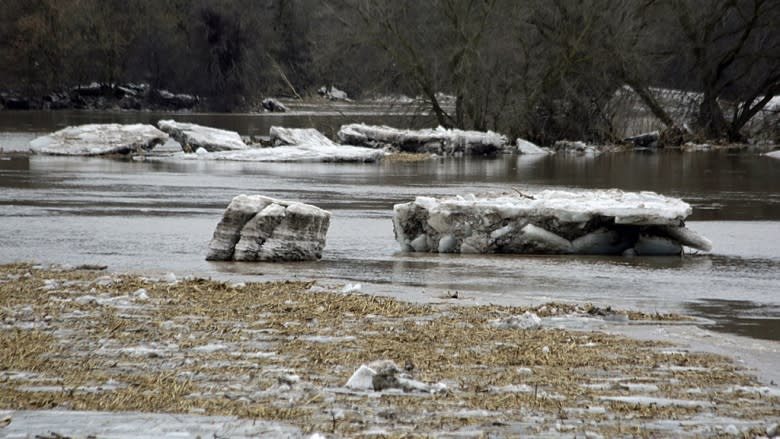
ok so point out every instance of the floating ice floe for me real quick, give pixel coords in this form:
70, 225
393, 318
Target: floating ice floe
333, 93
548, 222
258, 228
579, 147
645, 140
385, 374
274, 106
526, 147
436, 141
99, 139
192, 137
293, 145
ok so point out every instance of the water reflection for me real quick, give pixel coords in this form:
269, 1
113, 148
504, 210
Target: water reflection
740, 317
245, 124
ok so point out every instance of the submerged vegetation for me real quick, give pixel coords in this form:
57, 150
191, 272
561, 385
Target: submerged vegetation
282, 351
538, 69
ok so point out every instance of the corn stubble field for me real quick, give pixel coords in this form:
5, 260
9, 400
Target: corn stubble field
88, 340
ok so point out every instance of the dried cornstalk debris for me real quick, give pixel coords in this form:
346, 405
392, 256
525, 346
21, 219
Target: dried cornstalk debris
87, 340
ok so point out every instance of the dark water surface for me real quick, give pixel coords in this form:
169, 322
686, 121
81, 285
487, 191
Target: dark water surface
159, 217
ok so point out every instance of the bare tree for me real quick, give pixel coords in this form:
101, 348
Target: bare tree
733, 49
457, 47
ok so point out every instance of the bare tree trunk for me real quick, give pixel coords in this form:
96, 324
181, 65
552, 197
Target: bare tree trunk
711, 119
652, 104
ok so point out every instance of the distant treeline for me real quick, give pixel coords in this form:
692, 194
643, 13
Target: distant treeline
543, 69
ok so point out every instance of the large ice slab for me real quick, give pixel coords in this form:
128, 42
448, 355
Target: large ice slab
526, 147
548, 222
99, 139
437, 141
259, 228
294, 145
192, 137
281, 136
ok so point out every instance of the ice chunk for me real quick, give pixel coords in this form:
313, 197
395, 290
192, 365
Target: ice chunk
448, 244
362, 379
170, 278
535, 239
240, 210
99, 139
141, 294
352, 288
334, 94
258, 228
293, 145
648, 245
385, 374
420, 244
602, 242
298, 136
527, 320
192, 137
526, 147
688, 237
274, 106
552, 222
437, 141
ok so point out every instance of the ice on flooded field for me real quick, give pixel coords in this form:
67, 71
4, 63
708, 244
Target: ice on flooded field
386, 375
658, 402
99, 139
33, 423
352, 288
639, 387
170, 278
140, 294
548, 222
527, 320
362, 379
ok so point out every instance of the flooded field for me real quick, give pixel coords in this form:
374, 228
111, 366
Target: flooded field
156, 218
160, 216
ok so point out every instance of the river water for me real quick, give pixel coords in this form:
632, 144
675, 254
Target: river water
159, 217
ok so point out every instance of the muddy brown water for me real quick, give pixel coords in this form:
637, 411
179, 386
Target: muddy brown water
159, 217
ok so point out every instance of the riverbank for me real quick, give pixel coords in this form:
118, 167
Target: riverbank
282, 352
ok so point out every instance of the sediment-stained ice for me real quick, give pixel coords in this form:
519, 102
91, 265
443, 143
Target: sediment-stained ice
258, 228
437, 141
548, 222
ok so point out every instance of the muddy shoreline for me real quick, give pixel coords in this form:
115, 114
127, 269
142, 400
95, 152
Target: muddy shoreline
281, 353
